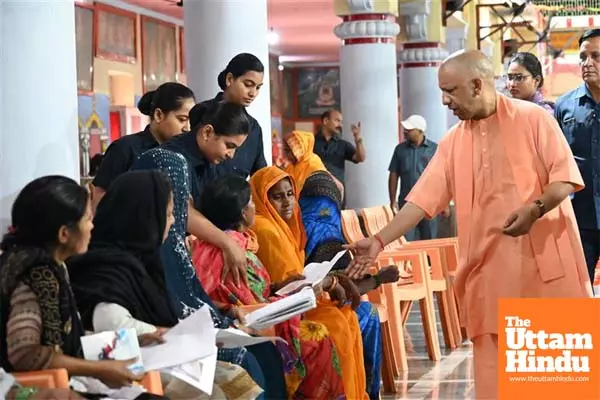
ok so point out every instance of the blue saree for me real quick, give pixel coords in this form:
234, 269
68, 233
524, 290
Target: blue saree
320, 202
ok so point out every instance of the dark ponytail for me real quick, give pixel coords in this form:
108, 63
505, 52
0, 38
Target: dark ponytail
42, 208
168, 97
238, 66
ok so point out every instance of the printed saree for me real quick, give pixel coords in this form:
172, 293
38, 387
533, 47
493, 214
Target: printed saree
311, 364
320, 203
281, 250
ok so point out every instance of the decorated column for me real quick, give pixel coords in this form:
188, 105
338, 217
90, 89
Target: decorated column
217, 30
456, 39
369, 93
418, 63
38, 95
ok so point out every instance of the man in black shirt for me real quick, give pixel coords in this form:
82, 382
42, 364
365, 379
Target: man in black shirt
335, 151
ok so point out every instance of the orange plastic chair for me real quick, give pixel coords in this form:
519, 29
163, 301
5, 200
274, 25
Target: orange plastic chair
152, 383
448, 248
378, 217
443, 256
46, 379
400, 297
59, 379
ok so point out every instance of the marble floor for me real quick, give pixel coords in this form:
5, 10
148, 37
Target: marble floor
451, 378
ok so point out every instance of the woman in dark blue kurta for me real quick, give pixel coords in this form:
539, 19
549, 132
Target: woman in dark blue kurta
189, 161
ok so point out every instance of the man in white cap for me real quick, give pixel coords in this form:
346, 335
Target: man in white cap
408, 163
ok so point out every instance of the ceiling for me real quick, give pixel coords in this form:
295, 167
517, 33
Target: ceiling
305, 28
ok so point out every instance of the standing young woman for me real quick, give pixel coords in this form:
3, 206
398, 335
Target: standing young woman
240, 83
168, 108
525, 79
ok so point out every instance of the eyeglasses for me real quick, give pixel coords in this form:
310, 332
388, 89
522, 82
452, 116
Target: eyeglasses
515, 77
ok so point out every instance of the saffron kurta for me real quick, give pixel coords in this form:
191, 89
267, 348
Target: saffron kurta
491, 168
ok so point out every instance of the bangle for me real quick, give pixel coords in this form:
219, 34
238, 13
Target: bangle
541, 207
334, 283
25, 393
377, 237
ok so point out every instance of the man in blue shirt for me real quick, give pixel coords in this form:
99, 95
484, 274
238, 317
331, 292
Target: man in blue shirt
408, 163
578, 114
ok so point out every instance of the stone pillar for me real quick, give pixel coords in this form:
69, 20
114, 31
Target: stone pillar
456, 40
369, 93
217, 30
38, 95
418, 63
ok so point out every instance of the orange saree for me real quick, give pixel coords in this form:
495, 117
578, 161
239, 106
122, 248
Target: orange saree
281, 250
302, 146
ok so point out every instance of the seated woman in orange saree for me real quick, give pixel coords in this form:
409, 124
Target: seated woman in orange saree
281, 239
311, 363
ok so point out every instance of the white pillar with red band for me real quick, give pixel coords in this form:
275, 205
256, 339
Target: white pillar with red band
369, 95
418, 63
38, 82
456, 38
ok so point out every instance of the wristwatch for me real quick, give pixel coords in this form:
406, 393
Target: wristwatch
540, 205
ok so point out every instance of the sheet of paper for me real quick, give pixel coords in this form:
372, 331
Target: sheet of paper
313, 273
114, 345
282, 310
231, 338
199, 374
190, 340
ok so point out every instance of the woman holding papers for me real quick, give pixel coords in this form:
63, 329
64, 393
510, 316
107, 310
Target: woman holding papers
281, 239
310, 357
119, 283
51, 220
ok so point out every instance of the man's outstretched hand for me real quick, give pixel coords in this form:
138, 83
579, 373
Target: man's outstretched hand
365, 253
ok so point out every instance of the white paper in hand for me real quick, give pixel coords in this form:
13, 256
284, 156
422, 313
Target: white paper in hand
314, 273
191, 339
120, 345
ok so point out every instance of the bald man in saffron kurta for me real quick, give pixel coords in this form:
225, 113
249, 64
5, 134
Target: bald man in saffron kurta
491, 167
510, 172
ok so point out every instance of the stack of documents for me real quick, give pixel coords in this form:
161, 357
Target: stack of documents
282, 310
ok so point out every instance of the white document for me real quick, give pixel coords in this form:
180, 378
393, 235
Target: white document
190, 340
114, 345
199, 374
231, 338
282, 310
314, 273
85, 384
